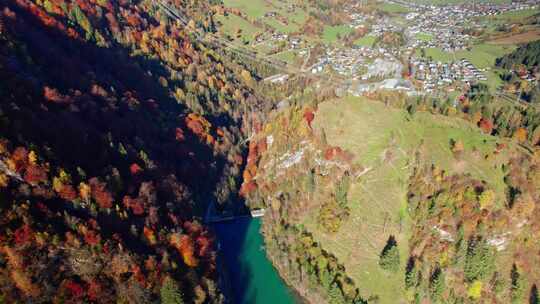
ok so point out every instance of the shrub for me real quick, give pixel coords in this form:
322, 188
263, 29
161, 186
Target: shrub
475, 290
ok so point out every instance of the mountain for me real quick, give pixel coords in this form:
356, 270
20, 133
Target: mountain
391, 203
118, 128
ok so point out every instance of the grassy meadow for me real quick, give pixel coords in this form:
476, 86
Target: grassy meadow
385, 140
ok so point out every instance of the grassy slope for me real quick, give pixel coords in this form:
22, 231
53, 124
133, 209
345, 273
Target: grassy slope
424, 37
331, 32
232, 23
481, 55
257, 8
253, 8
366, 41
393, 8
445, 2
377, 199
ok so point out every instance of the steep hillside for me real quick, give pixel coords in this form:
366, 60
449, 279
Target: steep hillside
116, 131
373, 203
527, 55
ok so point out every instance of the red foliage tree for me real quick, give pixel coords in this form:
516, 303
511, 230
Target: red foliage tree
52, 95
20, 158
134, 204
113, 24
68, 193
92, 238
486, 125
135, 169
309, 116
94, 290
103, 198
35, 174
247, 188
204, 245
332, 152
23, 235
75, 289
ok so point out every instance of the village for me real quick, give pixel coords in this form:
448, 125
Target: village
436, 48
428, 27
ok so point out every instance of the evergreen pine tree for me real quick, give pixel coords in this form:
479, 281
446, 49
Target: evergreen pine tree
389, 257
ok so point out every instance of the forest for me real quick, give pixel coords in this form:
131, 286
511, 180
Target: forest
521, 65
117, 129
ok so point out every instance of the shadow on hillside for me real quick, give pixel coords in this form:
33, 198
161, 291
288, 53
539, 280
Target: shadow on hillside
86, 134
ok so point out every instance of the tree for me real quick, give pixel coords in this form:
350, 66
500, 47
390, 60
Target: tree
517, 289
335, 294
521, 135
436, 287
478, 261
486, 199
342, 189
389, 257
533, 296
475, 290
170, 293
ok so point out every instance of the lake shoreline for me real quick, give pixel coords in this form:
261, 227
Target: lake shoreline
247, 268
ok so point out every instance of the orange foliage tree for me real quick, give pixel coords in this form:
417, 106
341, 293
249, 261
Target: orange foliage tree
100, 194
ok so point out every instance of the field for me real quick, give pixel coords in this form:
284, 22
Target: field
287, 56
514, 16
525, 37
484, 55
256, 9
393, 8
331, 33
232, 24
445, 2
424, 37
438, 55
286, 21
384, 139
366, 41
253, 8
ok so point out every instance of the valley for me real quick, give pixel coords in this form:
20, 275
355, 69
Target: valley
269, 151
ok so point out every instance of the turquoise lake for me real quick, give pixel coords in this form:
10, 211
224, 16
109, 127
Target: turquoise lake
251, 275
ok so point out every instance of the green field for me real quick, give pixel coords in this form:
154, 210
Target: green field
287, 56
446, 2
437, 54
424, 37
331, 33
384, 139
366, 41
393, 8
514, 15
253, 8
232, 23
484, 55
